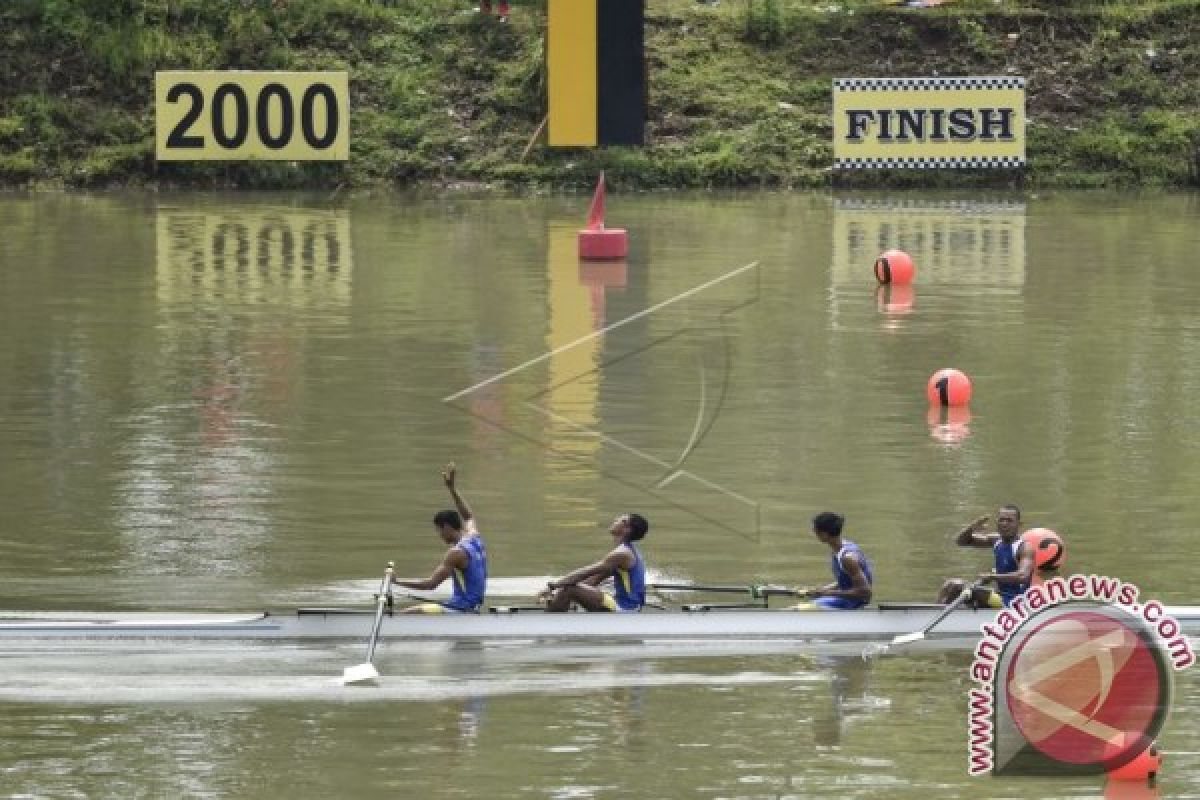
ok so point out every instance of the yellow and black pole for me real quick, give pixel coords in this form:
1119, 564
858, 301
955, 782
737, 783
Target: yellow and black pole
596, 75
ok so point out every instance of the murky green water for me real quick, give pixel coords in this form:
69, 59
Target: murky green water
241, 402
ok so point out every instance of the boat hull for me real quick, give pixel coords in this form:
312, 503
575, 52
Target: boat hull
867, 624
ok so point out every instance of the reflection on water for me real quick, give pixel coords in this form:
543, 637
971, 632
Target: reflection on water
949, 425
195, 496
953, 242
850, 698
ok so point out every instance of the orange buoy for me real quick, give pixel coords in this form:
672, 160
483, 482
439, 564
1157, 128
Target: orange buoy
948, 387
597, 242
1124, 790
896, 267
1049, 549
1144, 767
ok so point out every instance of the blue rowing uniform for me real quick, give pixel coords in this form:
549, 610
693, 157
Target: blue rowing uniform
629, 585
844, 581
1006, 561
470, 583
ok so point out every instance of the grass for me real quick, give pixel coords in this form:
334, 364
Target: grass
739, 93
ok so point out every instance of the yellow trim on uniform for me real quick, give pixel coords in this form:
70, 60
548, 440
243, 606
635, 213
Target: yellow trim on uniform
995, 600
610, 602
623, 574
807, 605
429, 608
572, 82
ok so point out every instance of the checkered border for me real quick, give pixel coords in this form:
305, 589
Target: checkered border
913, 84
963, 162
940, 207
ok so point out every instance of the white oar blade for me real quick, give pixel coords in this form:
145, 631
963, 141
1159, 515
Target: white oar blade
360, 675
908, 638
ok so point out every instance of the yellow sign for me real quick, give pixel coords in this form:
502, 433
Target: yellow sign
927, 123
278, 256
240, 116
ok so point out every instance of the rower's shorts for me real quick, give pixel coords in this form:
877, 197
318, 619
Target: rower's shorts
838, 603
829, 604
610, 604
994, 600
433, 608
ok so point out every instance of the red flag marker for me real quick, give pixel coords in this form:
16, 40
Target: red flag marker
597, 242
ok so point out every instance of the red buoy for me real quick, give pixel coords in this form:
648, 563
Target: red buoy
597, 242
896, 267
948, 387
1144, 767
1049, 550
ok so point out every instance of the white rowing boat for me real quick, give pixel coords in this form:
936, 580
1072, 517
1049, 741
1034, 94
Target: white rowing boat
876, 623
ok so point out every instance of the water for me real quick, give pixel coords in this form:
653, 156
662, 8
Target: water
235, 402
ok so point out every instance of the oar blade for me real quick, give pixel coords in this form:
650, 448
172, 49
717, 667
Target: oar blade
908, 638
360, 675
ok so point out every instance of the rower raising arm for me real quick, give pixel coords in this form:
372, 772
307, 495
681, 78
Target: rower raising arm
460, 502
465, 562
1014, 563
976, 534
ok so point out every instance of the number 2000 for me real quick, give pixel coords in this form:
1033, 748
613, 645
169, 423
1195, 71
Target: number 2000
231, 116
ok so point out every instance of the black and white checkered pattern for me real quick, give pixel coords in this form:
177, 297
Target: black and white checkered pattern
912, 84
963, 162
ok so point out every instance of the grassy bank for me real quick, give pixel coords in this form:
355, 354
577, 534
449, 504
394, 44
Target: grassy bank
739, 92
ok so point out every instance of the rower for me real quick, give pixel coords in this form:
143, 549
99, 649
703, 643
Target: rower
623, 564
465, 562
1014, 568
852, 573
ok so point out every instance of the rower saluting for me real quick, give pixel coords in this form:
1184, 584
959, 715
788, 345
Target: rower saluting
1014, 562
465, 562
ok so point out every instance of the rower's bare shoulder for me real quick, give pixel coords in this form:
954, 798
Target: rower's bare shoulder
620, 556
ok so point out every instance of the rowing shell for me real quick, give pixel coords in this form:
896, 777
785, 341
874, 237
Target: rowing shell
883, 622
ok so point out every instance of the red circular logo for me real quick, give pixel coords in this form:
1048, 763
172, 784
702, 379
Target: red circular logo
1088, 688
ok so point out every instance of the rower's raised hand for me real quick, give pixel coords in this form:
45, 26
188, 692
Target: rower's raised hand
448, 475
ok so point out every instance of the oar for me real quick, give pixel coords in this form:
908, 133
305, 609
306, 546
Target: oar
699, 587
366, 673
879, 648
754, 590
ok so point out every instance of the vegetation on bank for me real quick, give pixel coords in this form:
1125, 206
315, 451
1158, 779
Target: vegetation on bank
739, 91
